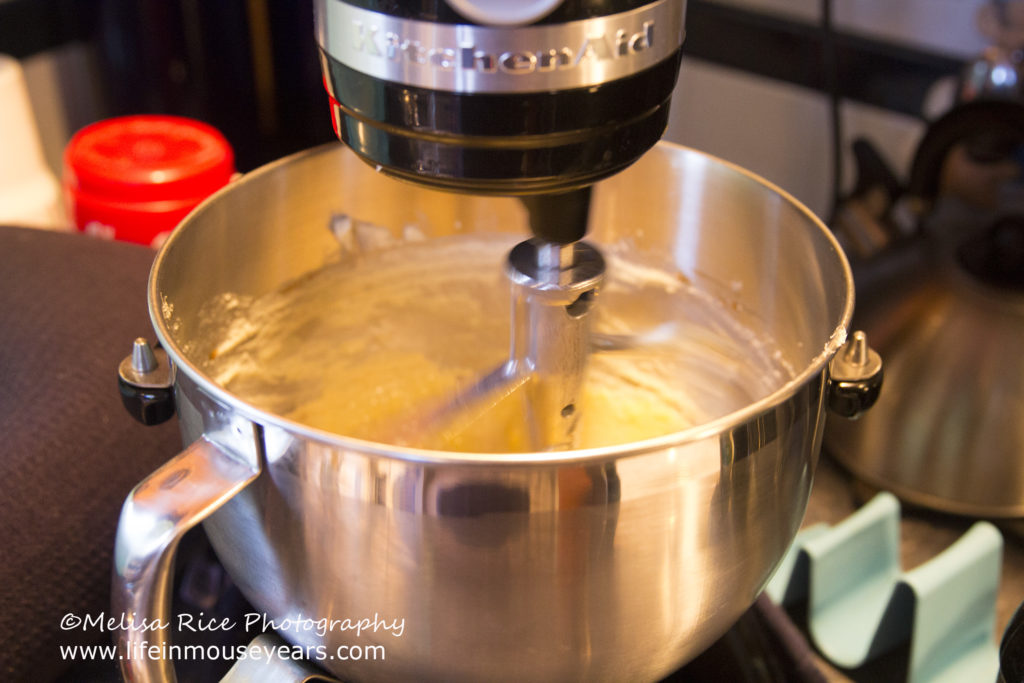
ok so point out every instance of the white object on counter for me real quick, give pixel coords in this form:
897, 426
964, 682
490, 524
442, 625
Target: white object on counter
29, 192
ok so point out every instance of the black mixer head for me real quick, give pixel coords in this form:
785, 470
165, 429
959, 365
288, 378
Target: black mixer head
500, 97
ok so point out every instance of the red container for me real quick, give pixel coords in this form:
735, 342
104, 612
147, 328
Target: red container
134, 178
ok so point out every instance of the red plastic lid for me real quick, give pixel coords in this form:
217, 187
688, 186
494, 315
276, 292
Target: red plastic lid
148, 158
134, 178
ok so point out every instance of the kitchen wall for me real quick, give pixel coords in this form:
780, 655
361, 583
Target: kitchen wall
782, 131
63, 84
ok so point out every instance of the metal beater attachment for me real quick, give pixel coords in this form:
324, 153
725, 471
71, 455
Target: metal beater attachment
553, 291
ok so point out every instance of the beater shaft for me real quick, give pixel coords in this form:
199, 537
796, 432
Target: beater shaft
553, 291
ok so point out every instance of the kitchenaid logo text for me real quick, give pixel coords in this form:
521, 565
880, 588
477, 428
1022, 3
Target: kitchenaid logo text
470, 58
371, 40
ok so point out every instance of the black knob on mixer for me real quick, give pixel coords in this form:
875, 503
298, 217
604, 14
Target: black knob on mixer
146, 382
430, 94
854, 378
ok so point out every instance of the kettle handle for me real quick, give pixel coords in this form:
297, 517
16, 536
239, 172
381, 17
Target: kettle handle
155, 515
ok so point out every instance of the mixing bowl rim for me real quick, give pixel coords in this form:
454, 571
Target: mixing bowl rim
584, 455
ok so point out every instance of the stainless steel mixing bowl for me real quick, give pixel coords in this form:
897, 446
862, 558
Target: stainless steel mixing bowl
611, 564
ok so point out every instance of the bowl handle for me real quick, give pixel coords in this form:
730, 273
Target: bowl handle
156, 514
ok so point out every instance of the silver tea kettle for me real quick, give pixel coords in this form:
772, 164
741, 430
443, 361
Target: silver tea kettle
940, 292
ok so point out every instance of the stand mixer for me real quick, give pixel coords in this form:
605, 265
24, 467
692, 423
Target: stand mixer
533, 99
555, 563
